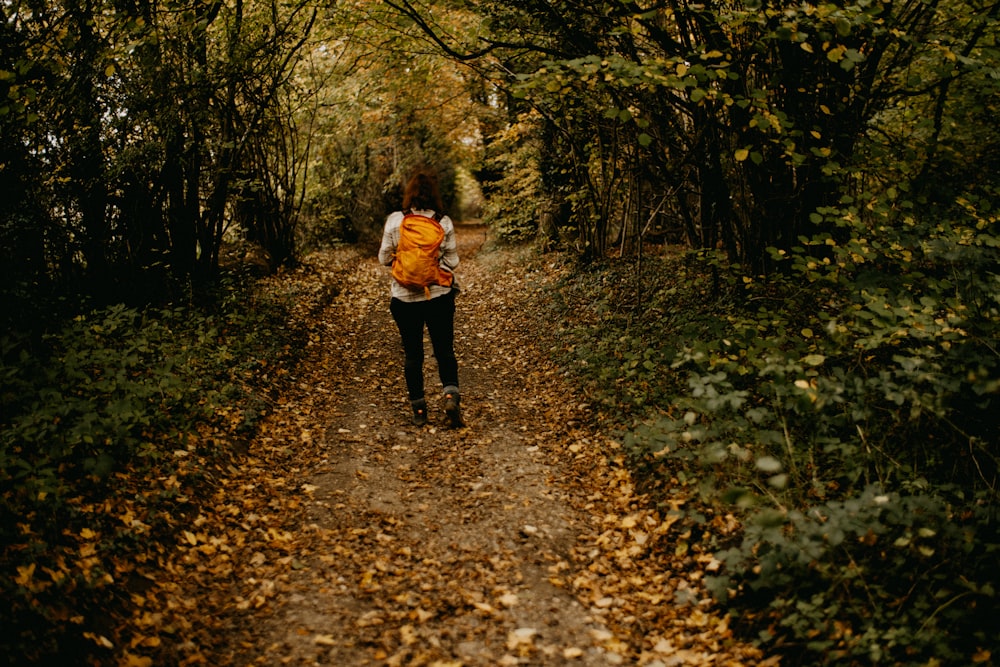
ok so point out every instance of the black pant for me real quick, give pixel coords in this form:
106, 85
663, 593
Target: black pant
438, 314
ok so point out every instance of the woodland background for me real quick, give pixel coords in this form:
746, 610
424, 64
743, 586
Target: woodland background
823, 358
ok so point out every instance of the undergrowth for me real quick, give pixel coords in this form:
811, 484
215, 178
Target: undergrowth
845, 407
110, 424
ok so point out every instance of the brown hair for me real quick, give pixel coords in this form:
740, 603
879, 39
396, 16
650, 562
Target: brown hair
422, 193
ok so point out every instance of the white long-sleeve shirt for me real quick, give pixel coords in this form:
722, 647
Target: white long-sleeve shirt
448, 258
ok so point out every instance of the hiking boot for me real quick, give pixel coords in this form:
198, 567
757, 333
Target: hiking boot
451, 408
419, 412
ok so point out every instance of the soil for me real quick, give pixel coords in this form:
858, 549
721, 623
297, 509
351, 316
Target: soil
518, 539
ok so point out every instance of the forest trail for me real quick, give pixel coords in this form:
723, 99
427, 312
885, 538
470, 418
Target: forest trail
516, 540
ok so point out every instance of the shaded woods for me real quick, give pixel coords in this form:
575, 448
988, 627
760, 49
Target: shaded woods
782, 298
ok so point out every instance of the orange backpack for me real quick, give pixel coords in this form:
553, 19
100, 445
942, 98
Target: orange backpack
416, 264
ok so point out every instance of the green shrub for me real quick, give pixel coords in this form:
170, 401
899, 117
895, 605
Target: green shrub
616, 328
105, 424
866, 367
878, 578
514, 216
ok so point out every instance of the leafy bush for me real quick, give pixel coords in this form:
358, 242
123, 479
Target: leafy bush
513, 217
879, 578
615, 328
106, 424
848, 404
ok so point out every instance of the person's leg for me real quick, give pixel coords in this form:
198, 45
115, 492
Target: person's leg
441, 327
409, 319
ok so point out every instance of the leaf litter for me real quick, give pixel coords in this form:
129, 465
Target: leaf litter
348, 536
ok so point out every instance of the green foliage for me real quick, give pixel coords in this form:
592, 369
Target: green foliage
385, 107
100, 388
729, 125
514, 209
135, 136
615, 328
847, 406
871, 362
876, 578
107, 423
892, 327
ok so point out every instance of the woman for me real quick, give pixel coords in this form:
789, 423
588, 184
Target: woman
432, 306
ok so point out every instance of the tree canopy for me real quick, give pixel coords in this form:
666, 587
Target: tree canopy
140, 139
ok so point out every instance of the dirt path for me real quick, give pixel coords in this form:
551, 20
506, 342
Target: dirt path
365, 540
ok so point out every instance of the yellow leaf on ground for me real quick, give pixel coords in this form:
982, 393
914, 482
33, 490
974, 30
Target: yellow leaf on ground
408, 635
508, 599
24, 575
131, 660
520, 637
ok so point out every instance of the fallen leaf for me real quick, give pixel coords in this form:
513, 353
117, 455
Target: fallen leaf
508, 599
520, 637
408, 635
132, 660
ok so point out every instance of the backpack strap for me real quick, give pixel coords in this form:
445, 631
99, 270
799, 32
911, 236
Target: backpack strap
437, 216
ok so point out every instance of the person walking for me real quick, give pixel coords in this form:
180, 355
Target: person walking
414, 307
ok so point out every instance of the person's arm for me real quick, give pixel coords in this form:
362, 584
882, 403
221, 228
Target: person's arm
449, 247
390, 239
